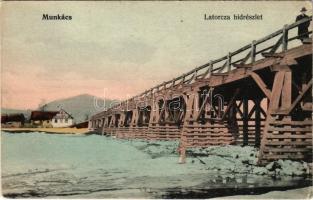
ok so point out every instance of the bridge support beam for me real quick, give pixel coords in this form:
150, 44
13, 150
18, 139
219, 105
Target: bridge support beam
245, 120
205, 128
287, 135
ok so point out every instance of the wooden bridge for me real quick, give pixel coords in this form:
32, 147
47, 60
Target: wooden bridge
257, 95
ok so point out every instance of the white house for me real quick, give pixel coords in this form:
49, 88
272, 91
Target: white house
62, 119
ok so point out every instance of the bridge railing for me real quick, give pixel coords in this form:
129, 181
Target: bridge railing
230, 61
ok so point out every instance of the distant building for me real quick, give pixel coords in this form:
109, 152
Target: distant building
49, 119
12, 120
42, 118
62, 119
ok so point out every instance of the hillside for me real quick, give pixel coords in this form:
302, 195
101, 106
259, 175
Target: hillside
80, 107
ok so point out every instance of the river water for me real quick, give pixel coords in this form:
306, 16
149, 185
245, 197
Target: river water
93, 166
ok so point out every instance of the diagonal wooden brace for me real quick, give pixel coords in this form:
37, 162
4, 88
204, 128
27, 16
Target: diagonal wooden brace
261, 84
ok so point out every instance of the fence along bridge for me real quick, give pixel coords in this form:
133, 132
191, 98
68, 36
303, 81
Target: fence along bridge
258, 95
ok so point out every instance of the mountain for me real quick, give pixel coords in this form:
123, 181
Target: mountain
81, 107
14, 111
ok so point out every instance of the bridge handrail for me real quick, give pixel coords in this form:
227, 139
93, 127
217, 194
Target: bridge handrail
210, 65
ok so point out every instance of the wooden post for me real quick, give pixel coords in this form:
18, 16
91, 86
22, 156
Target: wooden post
232, 119
228, 62
122, 120
166, 110
252, 53
286, 91
257, 122
192, 108
276, 91
182, 155
103, 125
112, 123
245, 120
154, 114
210, 68
285, 38
135, 116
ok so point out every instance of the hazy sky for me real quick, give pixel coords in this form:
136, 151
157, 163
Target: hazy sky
120, 47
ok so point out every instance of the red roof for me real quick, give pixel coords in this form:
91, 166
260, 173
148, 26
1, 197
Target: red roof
42, 115
12, 118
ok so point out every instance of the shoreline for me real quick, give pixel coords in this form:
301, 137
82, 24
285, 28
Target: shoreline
294, 193
48, 130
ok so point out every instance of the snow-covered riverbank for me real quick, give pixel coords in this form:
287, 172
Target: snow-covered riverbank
226, 159
81, 166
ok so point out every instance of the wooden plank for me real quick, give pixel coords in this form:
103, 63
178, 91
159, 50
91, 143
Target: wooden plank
299, 123
207, 134
280, 67
298, 143
286, 93
204, 125
220, 74
207, 139
276, 91
292, 129
273, 136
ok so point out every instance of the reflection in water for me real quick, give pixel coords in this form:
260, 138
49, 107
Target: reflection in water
41, 165
224, 185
